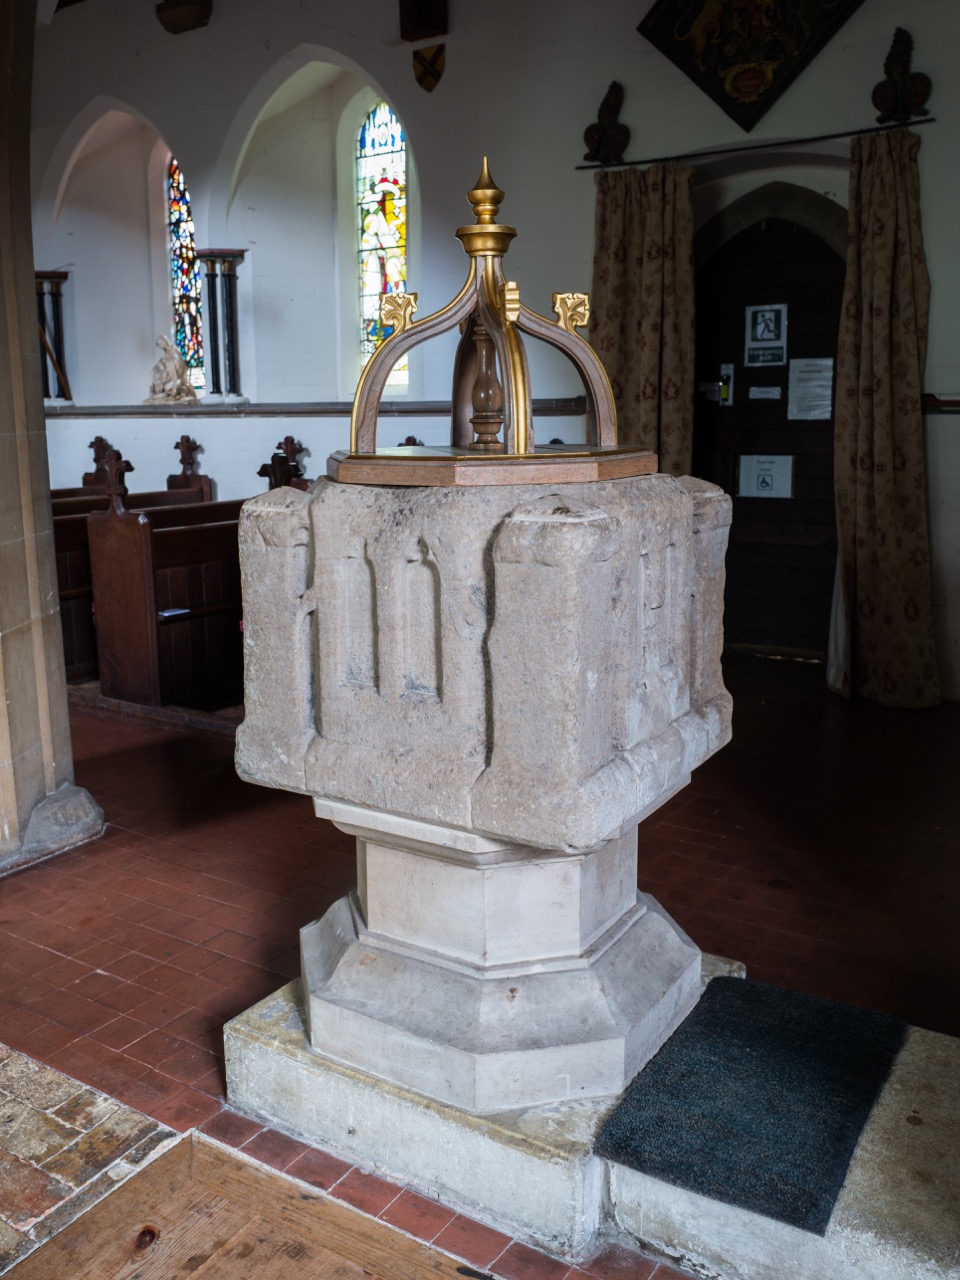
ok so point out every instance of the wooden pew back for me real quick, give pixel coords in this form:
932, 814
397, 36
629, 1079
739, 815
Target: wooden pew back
166, 586
75, 590
74, 580
98, 480
95, 500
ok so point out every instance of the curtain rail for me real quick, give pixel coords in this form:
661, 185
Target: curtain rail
759, 146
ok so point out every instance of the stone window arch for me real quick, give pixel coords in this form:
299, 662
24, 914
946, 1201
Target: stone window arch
801, 205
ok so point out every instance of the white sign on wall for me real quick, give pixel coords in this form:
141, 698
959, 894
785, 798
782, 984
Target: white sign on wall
765, 340
766, 476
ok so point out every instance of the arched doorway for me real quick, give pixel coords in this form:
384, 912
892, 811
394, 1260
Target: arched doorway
759, 429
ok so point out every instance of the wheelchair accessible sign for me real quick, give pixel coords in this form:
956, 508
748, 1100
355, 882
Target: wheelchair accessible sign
766, 336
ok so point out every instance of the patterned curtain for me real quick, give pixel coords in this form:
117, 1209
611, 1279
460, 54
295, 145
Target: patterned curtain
641, 321
880, 477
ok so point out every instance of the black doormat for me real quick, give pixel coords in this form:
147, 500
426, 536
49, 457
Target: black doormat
757, 1100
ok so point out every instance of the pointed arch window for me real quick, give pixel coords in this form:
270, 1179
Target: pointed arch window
381, 173
185, 275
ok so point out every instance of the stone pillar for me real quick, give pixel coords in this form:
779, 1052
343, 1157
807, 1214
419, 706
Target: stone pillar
41, 811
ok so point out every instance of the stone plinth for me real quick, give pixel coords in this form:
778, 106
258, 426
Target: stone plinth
488, 687
494, 976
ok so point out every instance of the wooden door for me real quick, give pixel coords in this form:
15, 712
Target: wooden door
782, 556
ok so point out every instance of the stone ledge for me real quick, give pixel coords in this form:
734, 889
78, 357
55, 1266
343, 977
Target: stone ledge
529, 1173
532, 1172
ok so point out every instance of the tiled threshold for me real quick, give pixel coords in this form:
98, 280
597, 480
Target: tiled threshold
65, 1146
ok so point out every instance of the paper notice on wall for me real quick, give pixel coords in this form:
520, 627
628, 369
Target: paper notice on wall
766, 393
810, 389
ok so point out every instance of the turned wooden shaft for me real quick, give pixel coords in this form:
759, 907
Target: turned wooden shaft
487, 396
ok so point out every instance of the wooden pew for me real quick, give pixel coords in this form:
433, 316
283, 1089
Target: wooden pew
74, 580
188, 478
94, 481
70, 509
75, 590
284, 466
166, 589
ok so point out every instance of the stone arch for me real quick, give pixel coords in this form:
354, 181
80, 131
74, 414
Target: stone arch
102, 217
76, 140
251, 112
801, 205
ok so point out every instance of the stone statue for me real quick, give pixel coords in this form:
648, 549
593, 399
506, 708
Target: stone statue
169, 381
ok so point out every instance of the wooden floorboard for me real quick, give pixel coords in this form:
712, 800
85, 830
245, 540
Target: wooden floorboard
201, 1212
313, 1216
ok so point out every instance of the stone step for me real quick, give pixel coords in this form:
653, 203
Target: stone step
533, 1173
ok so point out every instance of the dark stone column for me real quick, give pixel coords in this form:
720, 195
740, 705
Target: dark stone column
211, 327
42, 321
231, 345
228, 260
50, 283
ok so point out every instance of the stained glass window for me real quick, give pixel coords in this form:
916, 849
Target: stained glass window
382, 225
185, 276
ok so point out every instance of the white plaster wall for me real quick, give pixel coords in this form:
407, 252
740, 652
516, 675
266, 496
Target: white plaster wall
521, 84
101, 231
283, 212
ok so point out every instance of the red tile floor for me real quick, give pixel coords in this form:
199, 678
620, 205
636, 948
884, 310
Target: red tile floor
821, 848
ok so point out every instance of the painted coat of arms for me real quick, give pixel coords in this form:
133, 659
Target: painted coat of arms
744, 53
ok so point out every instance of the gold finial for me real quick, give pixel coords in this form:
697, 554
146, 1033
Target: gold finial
485, 238
486, 197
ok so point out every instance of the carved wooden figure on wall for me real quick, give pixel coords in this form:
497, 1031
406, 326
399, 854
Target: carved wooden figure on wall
903, 93
607, 138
